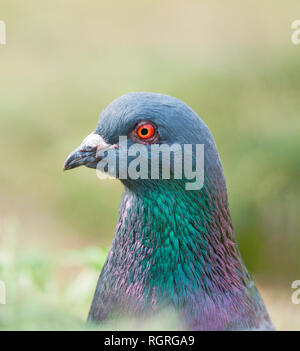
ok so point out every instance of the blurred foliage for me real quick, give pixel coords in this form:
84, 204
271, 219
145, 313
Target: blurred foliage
232, 62
36, 299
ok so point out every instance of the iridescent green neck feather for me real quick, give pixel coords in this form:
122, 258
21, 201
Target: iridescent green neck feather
174, 248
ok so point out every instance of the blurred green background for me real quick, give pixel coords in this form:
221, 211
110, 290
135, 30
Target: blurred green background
233, 62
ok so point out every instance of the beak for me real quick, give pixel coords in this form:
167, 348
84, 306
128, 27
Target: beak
86, 153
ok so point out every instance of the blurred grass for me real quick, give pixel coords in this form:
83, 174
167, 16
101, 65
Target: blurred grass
232, 62
46, 291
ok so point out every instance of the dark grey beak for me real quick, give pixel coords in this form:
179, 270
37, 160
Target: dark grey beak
86, 153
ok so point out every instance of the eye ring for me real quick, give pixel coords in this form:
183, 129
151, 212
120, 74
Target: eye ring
145, 131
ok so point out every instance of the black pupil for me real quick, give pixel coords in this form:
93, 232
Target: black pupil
144, 131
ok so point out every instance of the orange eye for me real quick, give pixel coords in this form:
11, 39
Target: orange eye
145, 131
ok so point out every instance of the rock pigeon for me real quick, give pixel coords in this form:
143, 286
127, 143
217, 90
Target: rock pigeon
173, 248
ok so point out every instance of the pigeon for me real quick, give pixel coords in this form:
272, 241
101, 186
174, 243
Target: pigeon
174, 248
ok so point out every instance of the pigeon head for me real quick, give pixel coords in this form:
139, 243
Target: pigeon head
174, 121
172, 247
147, 119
